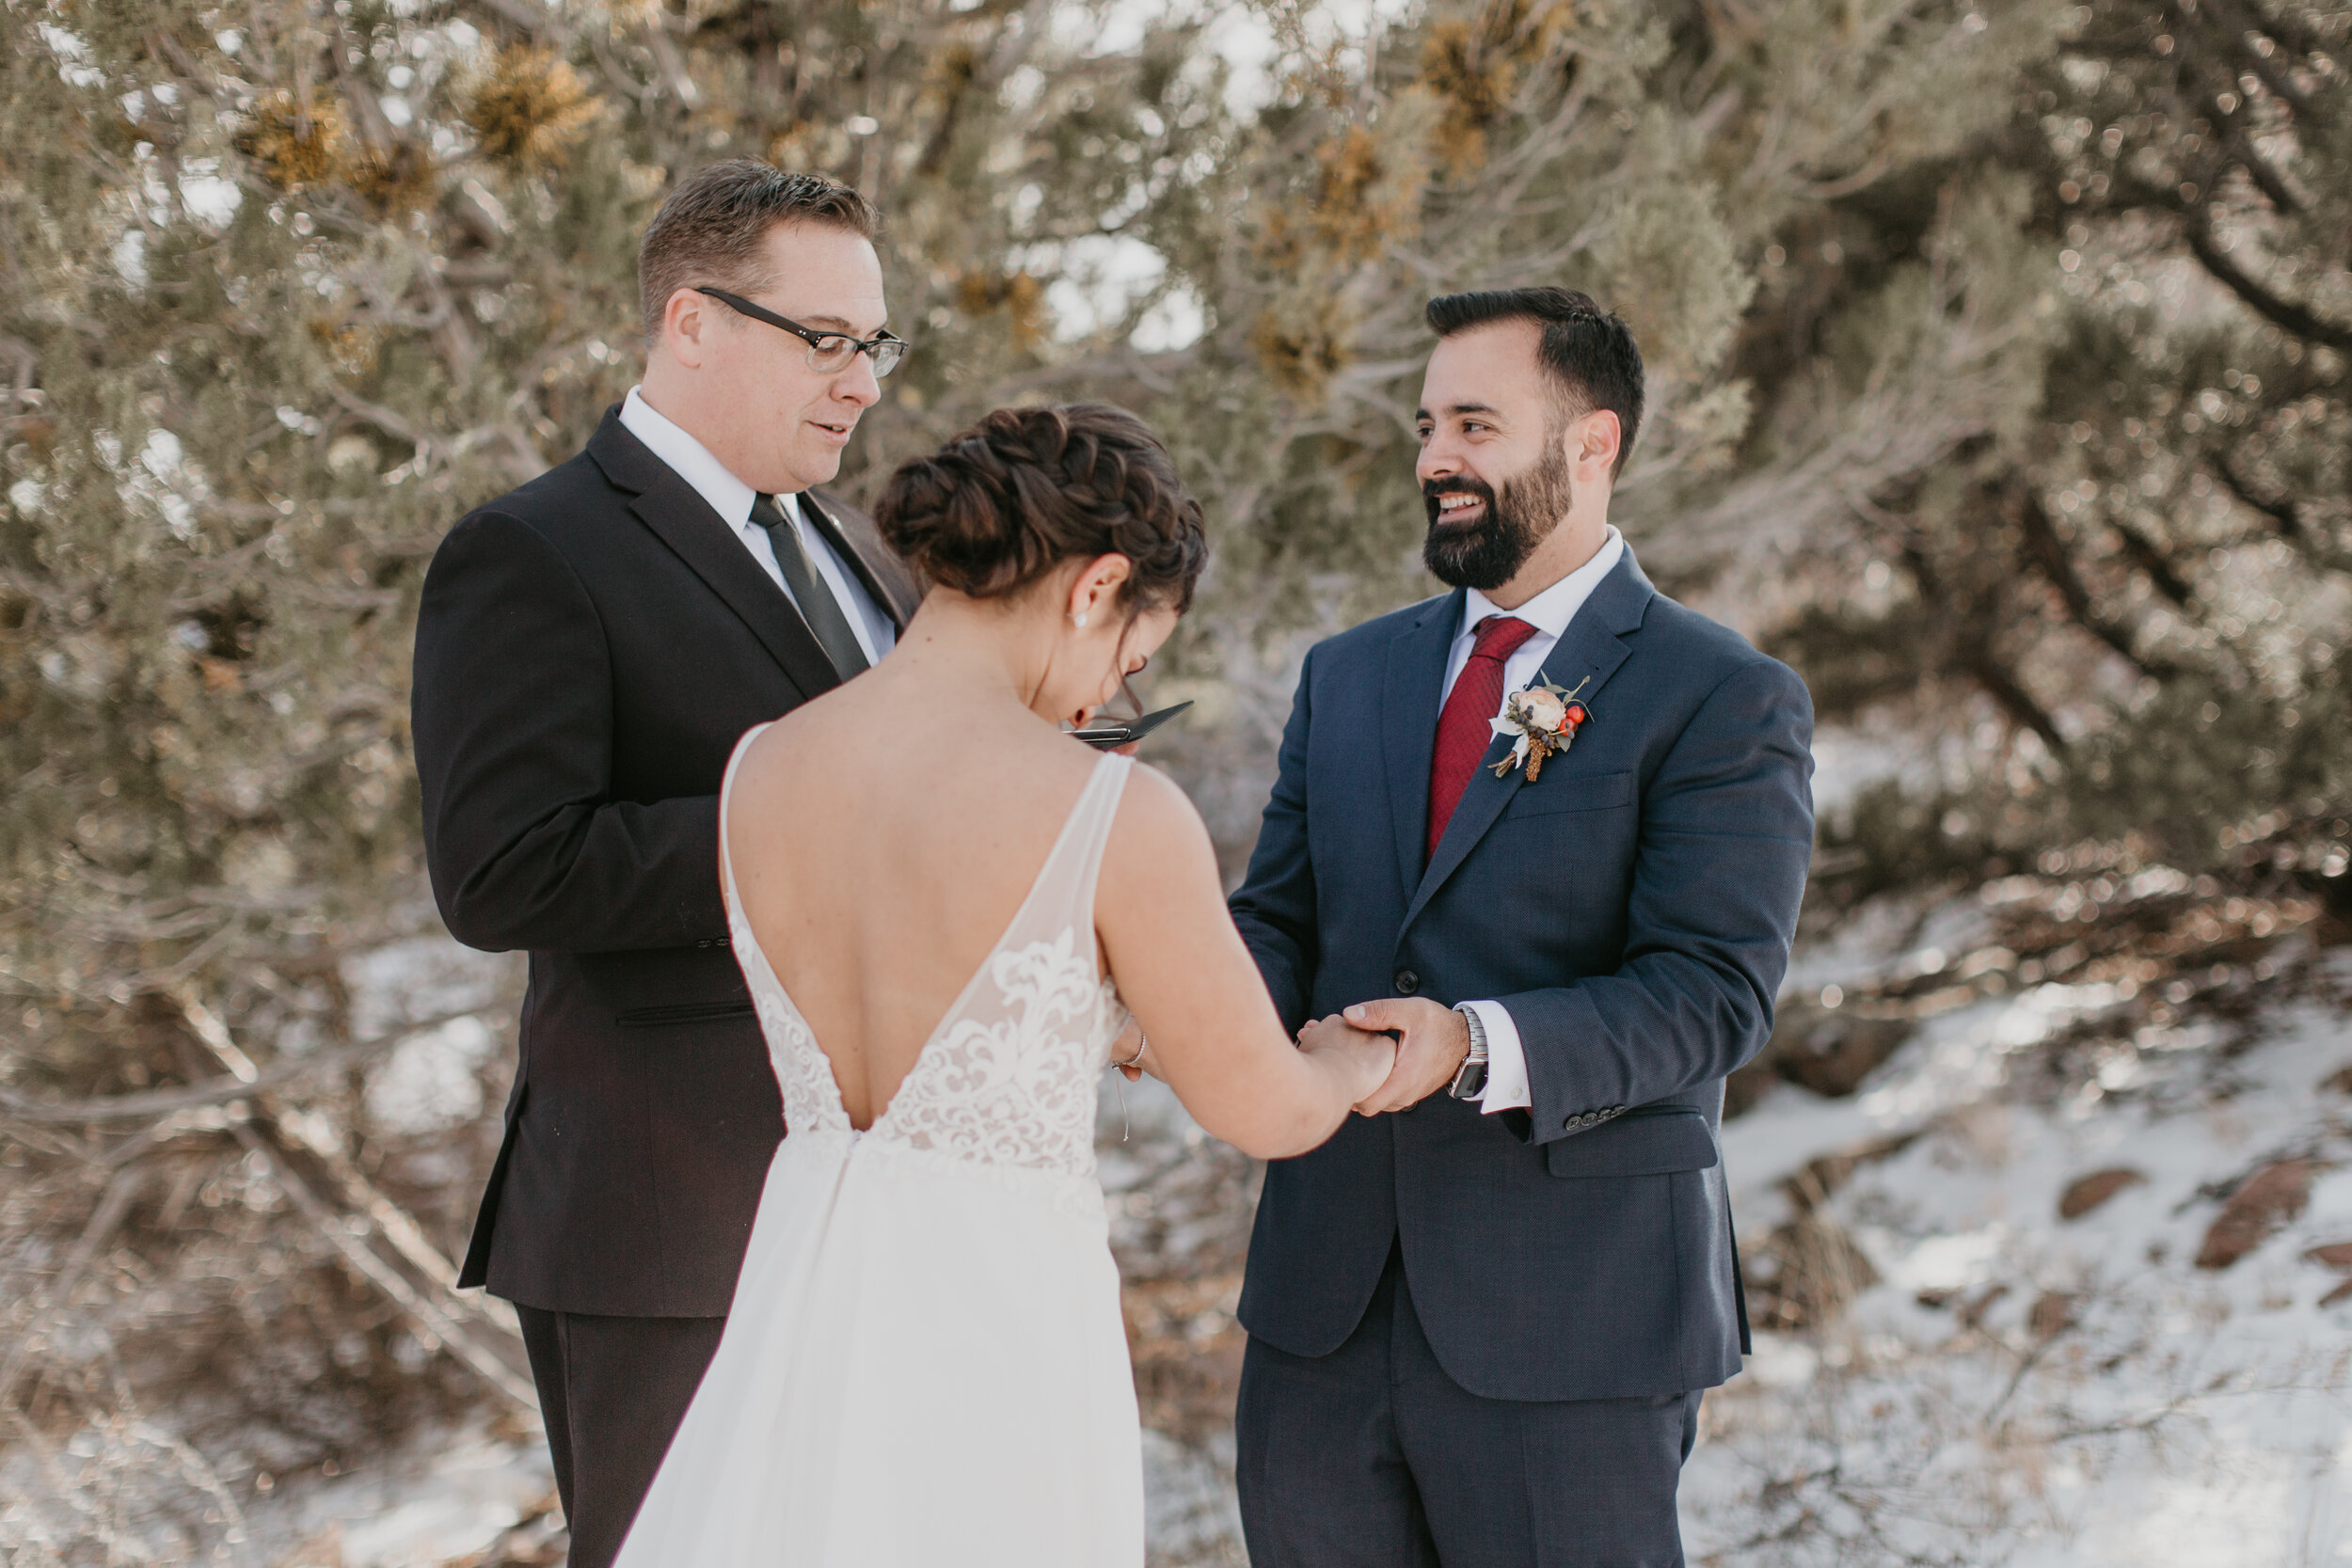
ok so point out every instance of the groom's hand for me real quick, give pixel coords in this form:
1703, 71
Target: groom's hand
1430, 1043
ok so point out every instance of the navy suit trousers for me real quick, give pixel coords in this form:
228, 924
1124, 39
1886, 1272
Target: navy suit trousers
1372, 1457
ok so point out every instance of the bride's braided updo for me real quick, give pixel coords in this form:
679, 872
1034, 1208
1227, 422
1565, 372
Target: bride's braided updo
1026, 489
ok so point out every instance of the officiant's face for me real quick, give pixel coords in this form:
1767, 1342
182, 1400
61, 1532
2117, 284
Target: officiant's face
782, 424
1494, 470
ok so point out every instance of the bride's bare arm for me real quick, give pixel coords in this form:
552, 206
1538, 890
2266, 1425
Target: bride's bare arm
1190, 982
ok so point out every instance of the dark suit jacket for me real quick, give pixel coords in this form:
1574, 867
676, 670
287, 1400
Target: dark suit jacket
589, 649
1633, 911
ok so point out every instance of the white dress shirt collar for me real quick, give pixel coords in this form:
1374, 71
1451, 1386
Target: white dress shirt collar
731, 498
1550, 611
728, 495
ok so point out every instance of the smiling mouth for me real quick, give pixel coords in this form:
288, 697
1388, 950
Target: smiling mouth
1456, 504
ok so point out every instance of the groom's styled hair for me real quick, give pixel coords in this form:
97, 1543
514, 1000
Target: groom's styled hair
713, 230
1590, 351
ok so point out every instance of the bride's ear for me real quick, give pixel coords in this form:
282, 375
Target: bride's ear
1096, 589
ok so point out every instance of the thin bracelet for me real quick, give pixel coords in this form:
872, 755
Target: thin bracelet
1143, 1043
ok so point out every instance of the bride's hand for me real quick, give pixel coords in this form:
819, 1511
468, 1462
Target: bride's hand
1131, 1053
1366, 1058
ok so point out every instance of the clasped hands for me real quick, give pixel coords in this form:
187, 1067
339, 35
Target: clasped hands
1431, 1042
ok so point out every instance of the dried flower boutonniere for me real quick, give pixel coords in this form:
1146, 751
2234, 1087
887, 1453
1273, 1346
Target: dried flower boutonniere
1545, 719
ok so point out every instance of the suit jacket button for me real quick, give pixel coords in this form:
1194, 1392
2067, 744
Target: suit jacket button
1408, 982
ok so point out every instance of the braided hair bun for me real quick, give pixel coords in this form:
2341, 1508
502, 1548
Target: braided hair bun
1026, 489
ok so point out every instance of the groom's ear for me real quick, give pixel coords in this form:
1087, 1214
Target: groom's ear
1594, 442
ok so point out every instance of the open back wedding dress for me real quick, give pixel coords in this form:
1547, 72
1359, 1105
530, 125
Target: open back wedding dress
925, 1363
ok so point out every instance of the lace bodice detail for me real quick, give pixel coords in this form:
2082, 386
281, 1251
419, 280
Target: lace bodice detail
1008, 1077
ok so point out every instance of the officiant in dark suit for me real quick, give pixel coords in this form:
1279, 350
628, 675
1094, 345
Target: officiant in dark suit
589, 649
1551, 828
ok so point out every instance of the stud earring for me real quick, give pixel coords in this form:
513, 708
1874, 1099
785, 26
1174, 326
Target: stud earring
1079, 620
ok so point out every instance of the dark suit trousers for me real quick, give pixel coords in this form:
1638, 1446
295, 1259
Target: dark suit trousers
613, 1391
1372, 1457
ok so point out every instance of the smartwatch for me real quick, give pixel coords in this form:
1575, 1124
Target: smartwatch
1470, 1081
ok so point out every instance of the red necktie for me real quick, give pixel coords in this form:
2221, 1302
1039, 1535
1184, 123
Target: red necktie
1466, 727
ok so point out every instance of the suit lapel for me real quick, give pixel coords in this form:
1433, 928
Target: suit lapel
883, 579
1590, 651
700, 538
1416, 670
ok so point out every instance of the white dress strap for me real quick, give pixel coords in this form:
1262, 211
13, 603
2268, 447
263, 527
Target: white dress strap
1062, 898
726, 793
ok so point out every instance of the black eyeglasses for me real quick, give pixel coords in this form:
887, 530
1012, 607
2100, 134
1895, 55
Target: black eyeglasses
828, 352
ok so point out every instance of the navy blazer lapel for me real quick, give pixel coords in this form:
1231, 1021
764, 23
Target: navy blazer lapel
1417, 657
892, 588
675, 511
1590, 651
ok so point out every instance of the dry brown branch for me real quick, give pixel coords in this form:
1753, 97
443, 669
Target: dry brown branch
163, 1102
437, 1325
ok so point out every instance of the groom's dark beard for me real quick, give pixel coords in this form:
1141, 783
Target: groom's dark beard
1489, 553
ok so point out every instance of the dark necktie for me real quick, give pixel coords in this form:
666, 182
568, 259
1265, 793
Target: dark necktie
1466, 726
819, 608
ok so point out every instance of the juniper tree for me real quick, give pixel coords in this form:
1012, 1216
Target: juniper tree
2139, 576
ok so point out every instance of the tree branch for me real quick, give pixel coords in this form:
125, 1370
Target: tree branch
2145, 554
2295, 318
162, 1102
2049, 553
2278, 509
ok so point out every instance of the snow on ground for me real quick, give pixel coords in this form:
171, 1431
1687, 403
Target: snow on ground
441, 1498
2017, 1387
2006, 1386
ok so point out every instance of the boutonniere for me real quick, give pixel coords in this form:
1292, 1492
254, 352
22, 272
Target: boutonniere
1545, 719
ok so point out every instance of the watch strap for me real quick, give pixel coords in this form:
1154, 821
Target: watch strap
1469, 1080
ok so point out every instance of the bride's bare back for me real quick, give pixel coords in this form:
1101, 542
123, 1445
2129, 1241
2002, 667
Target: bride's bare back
881, 843
884, 836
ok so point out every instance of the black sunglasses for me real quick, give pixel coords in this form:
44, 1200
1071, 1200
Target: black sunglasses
828, 352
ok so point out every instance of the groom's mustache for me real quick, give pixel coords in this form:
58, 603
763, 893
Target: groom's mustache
1436, 490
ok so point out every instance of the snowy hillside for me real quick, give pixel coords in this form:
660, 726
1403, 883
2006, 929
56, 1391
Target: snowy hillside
2043, 1199
2095, 1325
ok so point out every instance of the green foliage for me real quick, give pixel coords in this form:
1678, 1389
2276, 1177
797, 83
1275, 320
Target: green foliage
2140, 556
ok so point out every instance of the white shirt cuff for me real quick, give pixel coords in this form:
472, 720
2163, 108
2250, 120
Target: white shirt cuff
1506, 1061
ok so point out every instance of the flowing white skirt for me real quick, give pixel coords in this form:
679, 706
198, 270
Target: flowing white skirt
925, 1364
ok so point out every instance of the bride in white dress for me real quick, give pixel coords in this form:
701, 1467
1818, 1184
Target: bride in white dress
944, 908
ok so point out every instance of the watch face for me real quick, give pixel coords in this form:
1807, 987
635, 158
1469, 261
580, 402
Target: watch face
1471, 1081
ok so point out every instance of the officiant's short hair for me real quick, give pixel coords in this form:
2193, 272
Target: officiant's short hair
1589, 352
714, 229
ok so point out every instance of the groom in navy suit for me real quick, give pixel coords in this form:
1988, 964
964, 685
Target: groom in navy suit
1481, 1318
